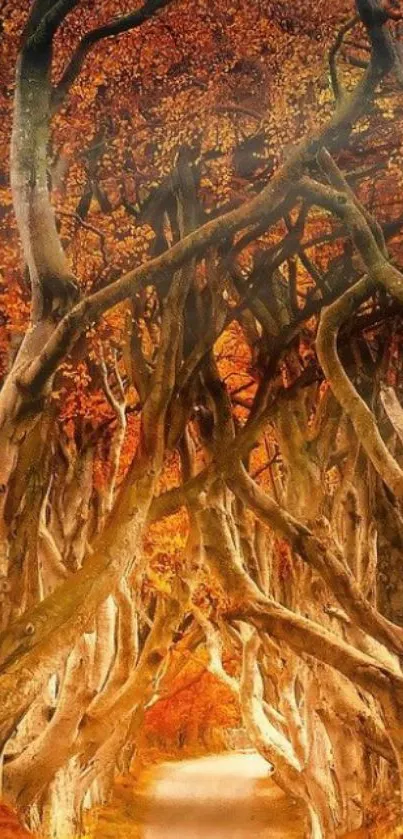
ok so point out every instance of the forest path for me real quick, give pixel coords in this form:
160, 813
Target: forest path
227, 796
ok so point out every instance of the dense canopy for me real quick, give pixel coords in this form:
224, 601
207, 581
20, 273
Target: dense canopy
201, 430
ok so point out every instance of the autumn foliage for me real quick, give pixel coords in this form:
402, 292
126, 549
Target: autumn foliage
196, 716
10, 826
201, 428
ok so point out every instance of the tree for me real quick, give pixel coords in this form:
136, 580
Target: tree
203, 449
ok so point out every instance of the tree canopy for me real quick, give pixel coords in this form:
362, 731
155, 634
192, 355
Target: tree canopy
201, 427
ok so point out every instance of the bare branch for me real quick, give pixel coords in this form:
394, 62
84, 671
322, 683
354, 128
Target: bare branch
333, 53
110, 30
360, 414
257, 209
393, 410
44, 21
374, 15
324, 557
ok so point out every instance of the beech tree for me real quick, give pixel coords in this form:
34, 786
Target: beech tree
200, 414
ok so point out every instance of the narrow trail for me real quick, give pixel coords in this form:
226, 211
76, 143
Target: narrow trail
218, 797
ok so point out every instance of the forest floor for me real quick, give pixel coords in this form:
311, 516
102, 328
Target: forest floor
10, 827
229, 796
226, 796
